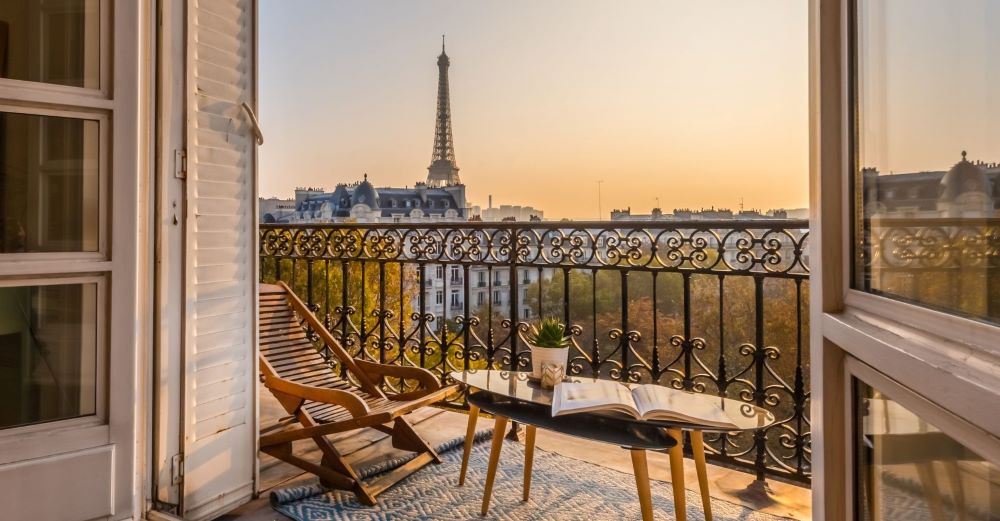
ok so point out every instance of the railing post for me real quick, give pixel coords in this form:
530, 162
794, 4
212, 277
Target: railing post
512, 285
623, 341
686, 345
759, 355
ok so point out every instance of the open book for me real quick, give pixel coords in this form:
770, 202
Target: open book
642, 402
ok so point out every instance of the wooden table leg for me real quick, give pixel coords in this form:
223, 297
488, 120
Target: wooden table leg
642, 483
677, 474
529, 455
470, 433
498, 431
698, 448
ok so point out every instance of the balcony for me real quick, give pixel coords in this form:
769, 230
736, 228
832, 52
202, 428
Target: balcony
711, 307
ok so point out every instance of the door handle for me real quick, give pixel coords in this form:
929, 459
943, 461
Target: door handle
254, 125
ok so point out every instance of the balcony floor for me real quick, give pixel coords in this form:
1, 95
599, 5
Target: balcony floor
438, 425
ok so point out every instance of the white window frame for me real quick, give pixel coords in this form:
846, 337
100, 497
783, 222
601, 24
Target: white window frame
47, 437
71, 261
969, 435
947, 360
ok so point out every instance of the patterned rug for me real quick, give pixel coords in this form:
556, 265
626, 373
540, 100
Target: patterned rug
561, 489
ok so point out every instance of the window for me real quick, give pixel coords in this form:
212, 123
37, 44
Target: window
455, 302
439, 272
54, 207
454, 274
48, 352
48, 41
526, 313
496, 297
909, 469
480, 298
439, 297
928, 118
482, 279
49, 183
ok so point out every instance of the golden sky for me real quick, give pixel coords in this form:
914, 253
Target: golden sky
691, 103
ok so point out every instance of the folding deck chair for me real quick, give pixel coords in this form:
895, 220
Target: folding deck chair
320, 402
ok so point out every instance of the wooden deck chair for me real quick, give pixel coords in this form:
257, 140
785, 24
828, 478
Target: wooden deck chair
320, 402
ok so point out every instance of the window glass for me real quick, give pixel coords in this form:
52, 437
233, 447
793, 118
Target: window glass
51, 41
908, 469
927, 185
48, 184
48, 353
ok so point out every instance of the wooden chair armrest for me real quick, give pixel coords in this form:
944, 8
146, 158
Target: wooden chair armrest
350, 401
426, 378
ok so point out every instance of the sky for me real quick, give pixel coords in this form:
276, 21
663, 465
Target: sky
673, 103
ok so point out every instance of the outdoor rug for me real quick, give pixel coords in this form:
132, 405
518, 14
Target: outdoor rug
561, 489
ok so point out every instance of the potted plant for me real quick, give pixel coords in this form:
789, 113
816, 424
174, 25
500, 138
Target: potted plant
549, 346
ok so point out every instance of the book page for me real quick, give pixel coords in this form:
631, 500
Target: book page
602, 395
656, 402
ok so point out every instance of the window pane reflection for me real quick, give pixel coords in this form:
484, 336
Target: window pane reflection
48, 353
48, 184
908, 469
928, 147
51, 41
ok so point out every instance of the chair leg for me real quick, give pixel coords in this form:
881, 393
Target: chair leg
957, 489
677, 474
529, 456
932, 493
404, 437
491, 471
698, 448
470, 433
641, 471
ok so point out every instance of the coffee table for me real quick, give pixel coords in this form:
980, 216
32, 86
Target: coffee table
511, 395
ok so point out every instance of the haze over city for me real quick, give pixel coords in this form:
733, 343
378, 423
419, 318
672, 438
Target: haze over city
687, 105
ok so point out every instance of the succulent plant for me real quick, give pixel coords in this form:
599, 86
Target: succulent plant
549, 333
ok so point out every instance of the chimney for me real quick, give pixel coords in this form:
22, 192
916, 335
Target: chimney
491, 201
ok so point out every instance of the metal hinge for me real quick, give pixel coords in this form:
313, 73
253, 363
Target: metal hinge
176, 469
180, 164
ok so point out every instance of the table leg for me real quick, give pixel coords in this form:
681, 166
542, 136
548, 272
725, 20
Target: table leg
470, 434
498, 431
529, 455
677, 474
642, 483
698, 448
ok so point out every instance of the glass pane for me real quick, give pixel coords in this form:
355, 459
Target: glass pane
51, 41
48, 184
927, 187
48, 353
908, 469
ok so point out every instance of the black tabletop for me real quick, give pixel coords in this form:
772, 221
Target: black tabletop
624, 433
518, 386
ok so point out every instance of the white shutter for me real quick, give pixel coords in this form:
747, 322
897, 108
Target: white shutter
220, 427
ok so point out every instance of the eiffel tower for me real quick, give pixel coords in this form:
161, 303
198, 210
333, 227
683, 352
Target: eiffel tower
443, 170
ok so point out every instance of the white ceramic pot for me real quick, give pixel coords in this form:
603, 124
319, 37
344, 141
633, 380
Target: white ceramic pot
547, 355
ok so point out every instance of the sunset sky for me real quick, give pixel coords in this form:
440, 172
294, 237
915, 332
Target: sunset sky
694, 103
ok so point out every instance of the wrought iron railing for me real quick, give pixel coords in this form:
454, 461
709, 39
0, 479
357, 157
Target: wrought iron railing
717, 307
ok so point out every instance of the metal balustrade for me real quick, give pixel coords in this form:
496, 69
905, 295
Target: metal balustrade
716, 307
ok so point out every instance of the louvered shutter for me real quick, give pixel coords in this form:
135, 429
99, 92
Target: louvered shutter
220, 318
